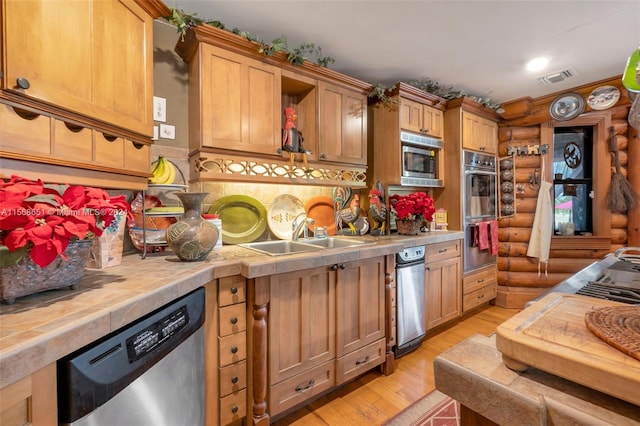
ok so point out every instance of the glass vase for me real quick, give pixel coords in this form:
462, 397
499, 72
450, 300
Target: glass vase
192, 238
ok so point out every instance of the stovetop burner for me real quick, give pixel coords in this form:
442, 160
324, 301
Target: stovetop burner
610, 291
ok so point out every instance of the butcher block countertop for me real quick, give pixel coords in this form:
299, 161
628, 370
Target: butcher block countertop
42, 328
549, 335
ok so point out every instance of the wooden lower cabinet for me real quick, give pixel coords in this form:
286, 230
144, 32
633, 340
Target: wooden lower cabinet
479, 287
31, 401
442, 283
326, 326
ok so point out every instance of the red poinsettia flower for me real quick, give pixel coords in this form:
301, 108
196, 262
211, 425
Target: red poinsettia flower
416, 206
45, 217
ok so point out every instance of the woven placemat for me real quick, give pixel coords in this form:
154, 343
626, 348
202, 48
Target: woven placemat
619, 326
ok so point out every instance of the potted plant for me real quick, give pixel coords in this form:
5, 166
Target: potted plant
42, 226
411, 211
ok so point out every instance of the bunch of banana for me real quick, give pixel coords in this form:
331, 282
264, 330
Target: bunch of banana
164, 172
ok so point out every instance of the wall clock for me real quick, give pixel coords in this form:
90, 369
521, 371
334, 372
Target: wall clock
572, 155
567, 106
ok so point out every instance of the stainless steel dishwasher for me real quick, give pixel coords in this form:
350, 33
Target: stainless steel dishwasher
410, 274
150, 373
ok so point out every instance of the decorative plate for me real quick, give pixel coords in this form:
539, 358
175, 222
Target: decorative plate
603, 97
320, 209
281, 213
567, 106
244, 218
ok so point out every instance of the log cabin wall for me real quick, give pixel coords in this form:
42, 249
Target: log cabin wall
518, 278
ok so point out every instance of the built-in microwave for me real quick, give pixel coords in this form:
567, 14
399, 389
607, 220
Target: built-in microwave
420, 160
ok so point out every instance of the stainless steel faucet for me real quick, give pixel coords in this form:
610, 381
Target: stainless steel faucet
296, 226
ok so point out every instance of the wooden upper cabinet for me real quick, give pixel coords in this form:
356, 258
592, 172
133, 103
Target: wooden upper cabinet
479, 133
342, 125
92, 58
240, 102
420, 118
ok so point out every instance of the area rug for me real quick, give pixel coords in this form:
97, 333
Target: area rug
433, 409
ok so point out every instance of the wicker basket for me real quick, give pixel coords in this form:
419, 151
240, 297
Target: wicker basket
408, 227
25, 277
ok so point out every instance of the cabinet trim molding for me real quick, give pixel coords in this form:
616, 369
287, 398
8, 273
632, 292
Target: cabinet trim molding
212, 166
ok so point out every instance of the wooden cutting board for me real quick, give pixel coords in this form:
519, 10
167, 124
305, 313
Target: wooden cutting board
551, 335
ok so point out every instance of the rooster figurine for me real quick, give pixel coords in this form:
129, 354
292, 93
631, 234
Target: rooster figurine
377, 210
347, 210
292, 138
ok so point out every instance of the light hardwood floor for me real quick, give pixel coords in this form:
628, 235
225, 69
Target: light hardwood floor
374, 398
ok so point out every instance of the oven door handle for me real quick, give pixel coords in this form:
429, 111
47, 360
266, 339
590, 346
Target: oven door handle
479, 172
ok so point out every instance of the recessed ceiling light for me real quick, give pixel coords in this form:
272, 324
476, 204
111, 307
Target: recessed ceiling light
537, 64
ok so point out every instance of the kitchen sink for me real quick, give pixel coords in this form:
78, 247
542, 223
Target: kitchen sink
332, 242
280, 247
283, 247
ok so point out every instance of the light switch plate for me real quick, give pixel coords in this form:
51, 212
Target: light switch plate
159, 109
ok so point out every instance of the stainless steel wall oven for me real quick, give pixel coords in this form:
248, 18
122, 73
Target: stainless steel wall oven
479, 205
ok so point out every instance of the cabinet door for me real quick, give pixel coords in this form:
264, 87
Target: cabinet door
302, 322
432, 119
479, 134
411, 115
57, 68
342, 124
240, 105
89, 67
360, 304
442, 292
122, 65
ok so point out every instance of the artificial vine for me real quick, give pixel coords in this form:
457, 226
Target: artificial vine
431, 86
296, 56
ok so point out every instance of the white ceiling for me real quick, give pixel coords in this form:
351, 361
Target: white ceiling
477, 46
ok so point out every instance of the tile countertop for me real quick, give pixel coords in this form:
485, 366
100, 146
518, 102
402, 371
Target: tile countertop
473, 373
42, 328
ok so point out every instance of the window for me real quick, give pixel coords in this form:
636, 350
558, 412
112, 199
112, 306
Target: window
572, 180
587, 172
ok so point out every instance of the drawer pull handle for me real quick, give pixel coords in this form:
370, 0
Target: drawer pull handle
234, 320
234, 379
334, 267
343, 266
481, 280
442, 251
481, 297
364, 361
234, 290
234, 409
234, 349
309, 384
23, 83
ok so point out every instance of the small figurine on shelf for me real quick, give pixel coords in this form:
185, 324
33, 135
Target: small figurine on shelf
292, 139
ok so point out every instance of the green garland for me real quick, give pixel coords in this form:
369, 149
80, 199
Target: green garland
296, 56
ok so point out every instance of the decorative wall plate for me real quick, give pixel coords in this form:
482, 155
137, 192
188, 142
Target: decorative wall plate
320, 209
244, 218
603, 97
281, 213
567, 106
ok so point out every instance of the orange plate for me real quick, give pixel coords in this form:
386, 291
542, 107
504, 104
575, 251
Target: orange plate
320, 209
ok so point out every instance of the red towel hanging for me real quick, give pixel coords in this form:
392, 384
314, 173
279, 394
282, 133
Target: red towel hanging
483, 235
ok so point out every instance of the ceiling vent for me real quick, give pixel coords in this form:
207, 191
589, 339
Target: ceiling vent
558, 76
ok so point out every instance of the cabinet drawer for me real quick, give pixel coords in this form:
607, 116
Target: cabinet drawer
359, 361
24, 132
137, 157
300, 388
108, 150
479, 279
441, 251
233, 319
72, 142
233, 348
231, 290
233, 407
233, 378
480, 296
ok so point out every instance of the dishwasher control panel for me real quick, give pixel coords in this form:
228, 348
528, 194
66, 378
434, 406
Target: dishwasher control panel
155, 334
410, 254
